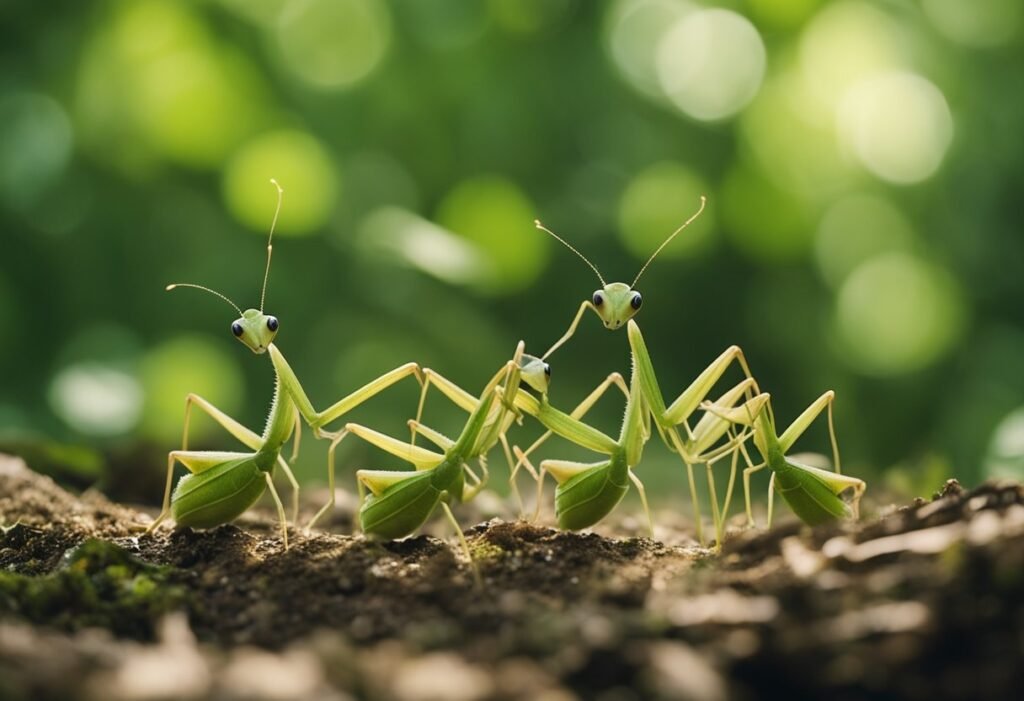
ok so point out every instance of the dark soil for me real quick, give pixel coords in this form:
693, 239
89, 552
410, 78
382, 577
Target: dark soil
926, 602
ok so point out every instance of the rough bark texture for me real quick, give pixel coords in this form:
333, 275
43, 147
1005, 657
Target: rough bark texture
924, 602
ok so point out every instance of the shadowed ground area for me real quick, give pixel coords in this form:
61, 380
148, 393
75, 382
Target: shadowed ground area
923, 602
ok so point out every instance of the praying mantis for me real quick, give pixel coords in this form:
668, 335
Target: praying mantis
814, 495
616, 304
394, 504
221, 485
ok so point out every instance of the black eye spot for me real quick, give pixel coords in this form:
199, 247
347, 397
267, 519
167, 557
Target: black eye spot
547, 370
598, 299
272, 323
237, 329
636, 301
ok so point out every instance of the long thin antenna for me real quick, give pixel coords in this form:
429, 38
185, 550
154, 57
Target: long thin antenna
536, 222
270, 243
205, 289
703, 201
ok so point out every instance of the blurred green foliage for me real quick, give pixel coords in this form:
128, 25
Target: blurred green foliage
862, 161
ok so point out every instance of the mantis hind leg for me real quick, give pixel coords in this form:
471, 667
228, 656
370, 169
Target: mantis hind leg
464, 544
280, 509
338, 438
643, 500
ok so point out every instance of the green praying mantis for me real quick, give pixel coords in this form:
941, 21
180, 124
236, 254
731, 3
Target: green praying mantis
221, 485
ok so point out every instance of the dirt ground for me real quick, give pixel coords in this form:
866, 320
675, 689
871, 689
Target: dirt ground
923, 602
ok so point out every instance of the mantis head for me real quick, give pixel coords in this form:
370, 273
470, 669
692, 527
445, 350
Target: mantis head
616, 302
255, 329
252, 327
535, 372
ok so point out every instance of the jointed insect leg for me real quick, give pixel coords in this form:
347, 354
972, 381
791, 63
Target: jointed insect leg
338, 438
643, 500
572, 329
280, 508
747, 472
465, 545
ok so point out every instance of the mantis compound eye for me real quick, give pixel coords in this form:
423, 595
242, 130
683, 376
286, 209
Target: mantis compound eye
636, 301
598, 299
547, 370
272, 323
237, 329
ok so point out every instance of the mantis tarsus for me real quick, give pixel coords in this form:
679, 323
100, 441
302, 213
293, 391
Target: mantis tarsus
222, 485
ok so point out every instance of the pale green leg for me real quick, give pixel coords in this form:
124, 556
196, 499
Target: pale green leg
465, 545
338, 438
280, 508
317, 420
732, 479
802, 422
643, 500
771, 499
750, 470
572, 329
698, 520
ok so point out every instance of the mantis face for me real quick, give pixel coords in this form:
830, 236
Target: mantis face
255, 329
616, 303
535, 372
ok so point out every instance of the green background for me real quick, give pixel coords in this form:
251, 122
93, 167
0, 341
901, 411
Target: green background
862, 163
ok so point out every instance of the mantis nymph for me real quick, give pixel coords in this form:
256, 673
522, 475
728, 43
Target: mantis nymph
616, 303
222, 485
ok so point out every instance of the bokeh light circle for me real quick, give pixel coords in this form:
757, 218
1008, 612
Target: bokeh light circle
1005, 457
303, 168
188, 364
856, 228
497, 216
896, 314
633, 29
35, 146
656, 202
898, 126
711, 63
334, 43
976, 23
96, 399
846, 42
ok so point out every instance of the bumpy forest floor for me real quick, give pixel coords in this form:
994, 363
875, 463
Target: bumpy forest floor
924, 602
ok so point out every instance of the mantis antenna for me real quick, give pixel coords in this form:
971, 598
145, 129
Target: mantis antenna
270, 242
205, 289
536, 222
703, 201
